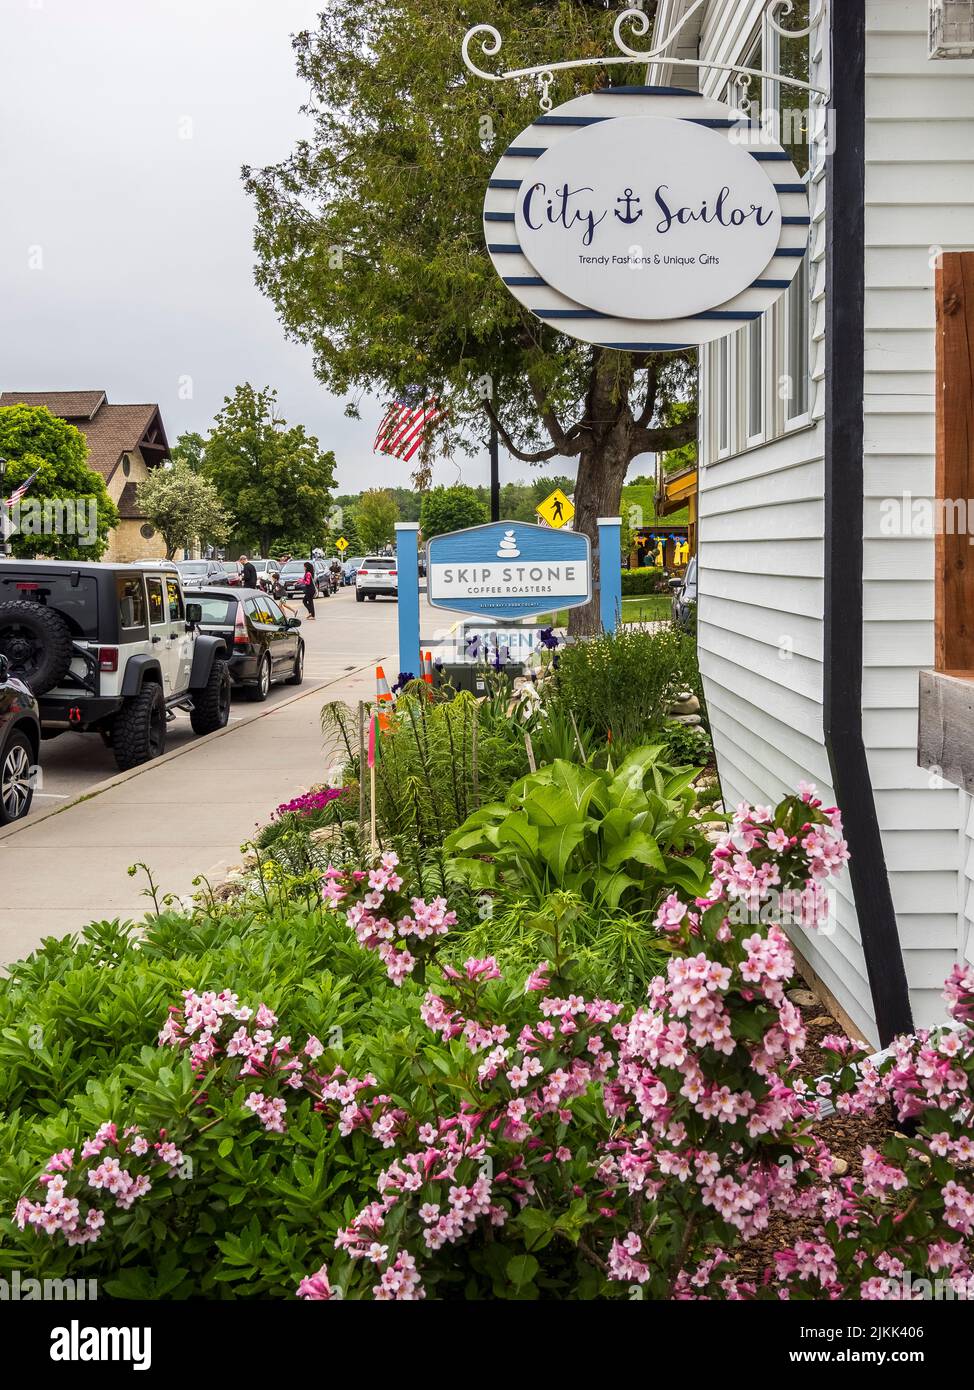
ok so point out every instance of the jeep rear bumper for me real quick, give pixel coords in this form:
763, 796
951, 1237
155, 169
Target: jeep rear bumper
78, 714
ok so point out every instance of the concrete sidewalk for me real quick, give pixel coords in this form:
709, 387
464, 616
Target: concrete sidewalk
184, 815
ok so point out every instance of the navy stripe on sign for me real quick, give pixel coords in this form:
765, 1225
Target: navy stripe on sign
743, 315
771, 284
498, 217
771, 155
504, 183
647, 347
796, 221
717, 125
524, 280
796, 251
648, 92
569, 314
499, 250
790, 188
570, 120
525, 152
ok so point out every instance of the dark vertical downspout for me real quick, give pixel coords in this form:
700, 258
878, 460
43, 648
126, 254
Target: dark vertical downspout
844, 433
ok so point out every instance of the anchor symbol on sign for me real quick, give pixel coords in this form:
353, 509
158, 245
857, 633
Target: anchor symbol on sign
628, 217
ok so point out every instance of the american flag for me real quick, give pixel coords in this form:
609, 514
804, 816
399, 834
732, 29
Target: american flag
21, 491
405, 424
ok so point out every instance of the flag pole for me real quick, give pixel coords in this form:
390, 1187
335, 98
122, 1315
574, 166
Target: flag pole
4, 543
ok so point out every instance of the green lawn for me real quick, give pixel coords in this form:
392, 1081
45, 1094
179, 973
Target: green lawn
649, 608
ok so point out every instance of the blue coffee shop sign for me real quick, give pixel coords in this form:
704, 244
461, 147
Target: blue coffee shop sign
509, 570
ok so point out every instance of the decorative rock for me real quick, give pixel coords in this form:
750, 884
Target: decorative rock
686, 704
839, 1167
691, 719
804, 998
824, 1021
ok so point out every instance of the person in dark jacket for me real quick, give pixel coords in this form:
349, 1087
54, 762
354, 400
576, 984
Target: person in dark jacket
249, 573
309, 586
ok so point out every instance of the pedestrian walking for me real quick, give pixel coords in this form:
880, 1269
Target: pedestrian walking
308, 594
249, 571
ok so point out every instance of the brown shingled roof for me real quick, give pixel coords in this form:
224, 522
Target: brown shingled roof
70, 405
128, 505
111, 430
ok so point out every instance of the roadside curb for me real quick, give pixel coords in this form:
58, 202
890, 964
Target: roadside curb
120, 778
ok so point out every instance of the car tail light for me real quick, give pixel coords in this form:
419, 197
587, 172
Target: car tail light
108, 658
393, 574
361, 571
240, 638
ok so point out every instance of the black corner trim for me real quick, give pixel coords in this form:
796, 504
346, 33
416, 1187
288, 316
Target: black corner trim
844, 437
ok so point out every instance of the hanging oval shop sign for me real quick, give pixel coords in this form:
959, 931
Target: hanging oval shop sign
646, 219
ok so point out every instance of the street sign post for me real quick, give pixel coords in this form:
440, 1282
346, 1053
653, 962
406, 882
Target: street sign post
556, 510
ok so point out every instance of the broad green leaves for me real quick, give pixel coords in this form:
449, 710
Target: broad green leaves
623, 838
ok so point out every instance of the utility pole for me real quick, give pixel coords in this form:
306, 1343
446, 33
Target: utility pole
495, 478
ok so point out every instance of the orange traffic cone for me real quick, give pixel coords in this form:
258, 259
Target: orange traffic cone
383, 698
427, 663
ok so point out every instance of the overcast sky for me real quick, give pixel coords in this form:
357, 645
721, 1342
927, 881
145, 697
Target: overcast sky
126, 258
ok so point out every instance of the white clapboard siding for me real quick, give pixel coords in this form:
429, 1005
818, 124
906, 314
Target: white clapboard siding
967, 884
762, 520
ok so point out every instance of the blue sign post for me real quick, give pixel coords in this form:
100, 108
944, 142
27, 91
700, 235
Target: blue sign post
509, 570
610, 571
407, 564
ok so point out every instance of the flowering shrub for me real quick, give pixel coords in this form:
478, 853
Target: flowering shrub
528, 1140
909, 1220
311, 802
384, 919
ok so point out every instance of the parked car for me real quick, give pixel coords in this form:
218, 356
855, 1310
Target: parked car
377, 574
292, 577
201, 574
20, 741
350, 568
113, 650
684, 594
260, 642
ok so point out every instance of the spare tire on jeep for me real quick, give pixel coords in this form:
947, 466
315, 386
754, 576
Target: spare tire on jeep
37, 643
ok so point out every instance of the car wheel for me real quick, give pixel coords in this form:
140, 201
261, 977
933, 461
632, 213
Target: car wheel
297, 676
359, 596
139, 730
16, 783
259, 692
211, 705
372, 598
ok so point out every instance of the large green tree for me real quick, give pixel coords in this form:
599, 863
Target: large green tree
67, 513
375, 518
274, 479
189, 448
183, 507
370, 241
451, 509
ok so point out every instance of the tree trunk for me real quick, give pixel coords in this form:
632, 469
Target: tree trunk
602, 467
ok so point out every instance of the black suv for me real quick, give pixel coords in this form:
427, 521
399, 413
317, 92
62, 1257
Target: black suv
114, 649
20, 741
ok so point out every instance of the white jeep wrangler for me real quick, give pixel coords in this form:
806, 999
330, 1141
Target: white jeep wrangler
113, 649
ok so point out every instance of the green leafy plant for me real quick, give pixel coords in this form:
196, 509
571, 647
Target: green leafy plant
687, 743
617, 838
646, 580
619, 685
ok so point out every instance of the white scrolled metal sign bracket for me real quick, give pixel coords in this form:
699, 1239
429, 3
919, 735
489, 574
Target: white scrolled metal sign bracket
638, 21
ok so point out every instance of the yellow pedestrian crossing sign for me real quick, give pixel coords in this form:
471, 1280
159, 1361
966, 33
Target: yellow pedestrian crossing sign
556, 511
341, 544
